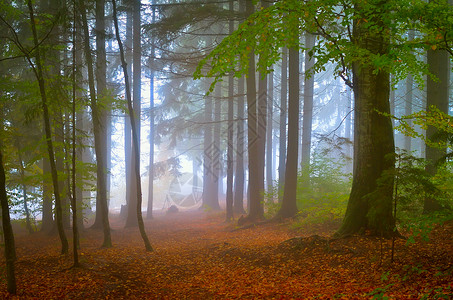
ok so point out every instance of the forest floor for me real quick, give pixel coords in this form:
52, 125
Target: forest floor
199, 256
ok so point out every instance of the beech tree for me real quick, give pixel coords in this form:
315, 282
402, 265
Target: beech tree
366, 41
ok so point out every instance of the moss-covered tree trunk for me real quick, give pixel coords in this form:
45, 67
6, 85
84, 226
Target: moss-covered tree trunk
370, 202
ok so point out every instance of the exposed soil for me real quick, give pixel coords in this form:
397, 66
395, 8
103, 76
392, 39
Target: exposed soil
199, 256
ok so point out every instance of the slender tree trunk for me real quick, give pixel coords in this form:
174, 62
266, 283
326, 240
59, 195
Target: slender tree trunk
132, 217
239, 178
149, 214
409, 99
282, 128
48, 130
269, 131
370, 201
240, 152
216, 151
101, 84
208, 181
309, 83
75, 229
99, 143
127, 121
10, 248
135, 138
289, 203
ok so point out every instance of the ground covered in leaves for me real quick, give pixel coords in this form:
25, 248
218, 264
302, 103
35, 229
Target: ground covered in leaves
198, 256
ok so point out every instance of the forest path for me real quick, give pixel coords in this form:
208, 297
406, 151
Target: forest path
199, 256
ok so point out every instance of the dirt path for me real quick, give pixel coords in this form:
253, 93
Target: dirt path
198, 256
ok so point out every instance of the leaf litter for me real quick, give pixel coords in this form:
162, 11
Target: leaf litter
199, 256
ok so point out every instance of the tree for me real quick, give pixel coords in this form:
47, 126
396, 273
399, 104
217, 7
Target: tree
99, 144
10, 248
437, 90
364, 55
282, 127
135, 139
42, 89
289, 204
308, 108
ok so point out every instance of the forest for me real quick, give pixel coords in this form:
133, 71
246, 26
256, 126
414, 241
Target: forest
226, 149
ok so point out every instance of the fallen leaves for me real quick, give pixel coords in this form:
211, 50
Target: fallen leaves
198, 256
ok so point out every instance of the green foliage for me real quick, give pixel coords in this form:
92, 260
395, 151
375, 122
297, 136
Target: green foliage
325, 198
267, 30
412, 185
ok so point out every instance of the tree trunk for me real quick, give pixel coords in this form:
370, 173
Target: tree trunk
149, 213
240, 151
230, 129
10, 248
239, 178
127, 121
135, 138
208, 181
48, 130
409, 99
269, 132
370, 203
289, 203
216, 152
282, 128
437, 96
99, 141
101, 84
132, 217
309, 81
47, 214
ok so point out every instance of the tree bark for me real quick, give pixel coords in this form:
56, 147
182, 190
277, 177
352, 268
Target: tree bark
135, 138
370, 203
282, 128
99, 145
255, 190
309, 81
437, 96
10, 248
289, 203
39, 76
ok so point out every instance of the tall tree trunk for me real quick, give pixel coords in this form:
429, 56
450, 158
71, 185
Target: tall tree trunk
269, 132
101, 84
437, 96
99, 145
39, 76
282, 128
309, 82
289, 203
216, 152
240, 152
239, 178
135, 138
370, 201
10, 248
208, 181
149, 213
75, 229
127, 120
409, 99
230, 131
132, 217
